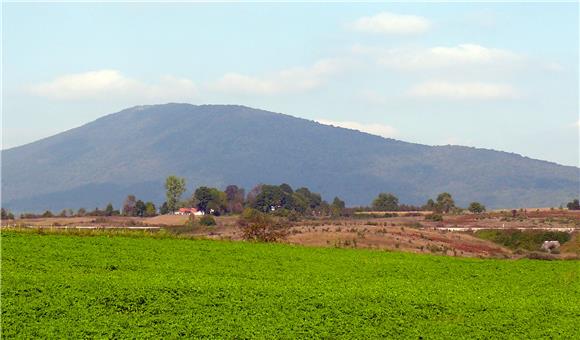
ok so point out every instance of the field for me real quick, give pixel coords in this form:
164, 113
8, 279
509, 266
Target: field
456, 235
65, 286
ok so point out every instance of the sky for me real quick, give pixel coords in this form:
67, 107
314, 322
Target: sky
500, 76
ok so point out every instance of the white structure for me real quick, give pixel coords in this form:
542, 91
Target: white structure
189, 211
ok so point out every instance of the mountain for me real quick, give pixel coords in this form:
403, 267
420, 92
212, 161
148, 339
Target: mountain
133, 151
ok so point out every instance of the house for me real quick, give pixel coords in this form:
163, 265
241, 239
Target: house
189, 211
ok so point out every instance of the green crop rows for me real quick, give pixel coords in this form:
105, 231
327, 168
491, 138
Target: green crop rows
62, 286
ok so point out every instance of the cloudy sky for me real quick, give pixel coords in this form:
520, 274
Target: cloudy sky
498, 76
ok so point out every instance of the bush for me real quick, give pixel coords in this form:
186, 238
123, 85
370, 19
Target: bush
434, 217
207, 220
522, 239
258, 226
293, 216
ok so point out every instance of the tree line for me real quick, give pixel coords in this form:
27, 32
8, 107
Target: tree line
280, 200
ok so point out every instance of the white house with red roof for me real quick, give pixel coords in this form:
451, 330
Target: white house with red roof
189, 211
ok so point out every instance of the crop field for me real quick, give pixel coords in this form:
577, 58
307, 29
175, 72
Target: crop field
66, 286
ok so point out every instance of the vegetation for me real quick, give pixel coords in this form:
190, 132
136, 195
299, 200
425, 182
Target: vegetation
522, 239
573, 205
476, 207
7, 215
386, 202
174, 188
207, 220
259, 226
434, 217
58, 286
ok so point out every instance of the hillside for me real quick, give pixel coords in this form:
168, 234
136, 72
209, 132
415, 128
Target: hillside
132, 151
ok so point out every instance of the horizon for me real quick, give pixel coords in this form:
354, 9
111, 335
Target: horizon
476, 75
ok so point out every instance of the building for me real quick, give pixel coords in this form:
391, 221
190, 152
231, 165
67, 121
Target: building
189, 211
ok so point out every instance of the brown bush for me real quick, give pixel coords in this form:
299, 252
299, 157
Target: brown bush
257, 226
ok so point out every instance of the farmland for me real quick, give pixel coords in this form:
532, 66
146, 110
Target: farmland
456, 235
58, 286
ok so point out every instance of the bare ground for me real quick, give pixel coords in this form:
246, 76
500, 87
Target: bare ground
409, 232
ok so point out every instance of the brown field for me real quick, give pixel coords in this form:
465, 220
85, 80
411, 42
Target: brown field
407, 232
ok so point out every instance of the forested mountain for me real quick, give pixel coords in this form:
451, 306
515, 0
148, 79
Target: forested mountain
133, 151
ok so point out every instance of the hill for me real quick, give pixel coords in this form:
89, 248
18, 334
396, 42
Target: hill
132, 151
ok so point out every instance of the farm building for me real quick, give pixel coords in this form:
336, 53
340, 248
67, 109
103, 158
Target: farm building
189, 211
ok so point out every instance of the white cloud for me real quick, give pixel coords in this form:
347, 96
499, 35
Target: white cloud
296, 79
391, 23
372, 128
471, 90
408, 59
112, 84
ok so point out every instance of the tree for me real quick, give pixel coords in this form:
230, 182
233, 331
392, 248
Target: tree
574, 205
430, 205
386, 202
337, 207
312, 199
175, 187
81, 212
253, 194
164, 209
209, 199
7, 215
476, 207
150, 209
109, 211
445, 202
286, 188
235, 199
129, 206
140, 208
48, 213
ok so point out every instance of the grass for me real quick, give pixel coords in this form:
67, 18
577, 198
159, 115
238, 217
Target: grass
69, 286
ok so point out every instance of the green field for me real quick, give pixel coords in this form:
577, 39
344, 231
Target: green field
62, 286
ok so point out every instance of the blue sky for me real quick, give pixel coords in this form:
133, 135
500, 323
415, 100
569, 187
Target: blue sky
498, 76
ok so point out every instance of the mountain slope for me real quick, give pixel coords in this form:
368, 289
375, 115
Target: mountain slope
132, 151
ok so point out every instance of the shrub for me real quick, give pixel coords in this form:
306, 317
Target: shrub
520, 239
258, 226
434, 217
207, 220
293, 216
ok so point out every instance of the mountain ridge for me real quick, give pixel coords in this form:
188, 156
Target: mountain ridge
234, 144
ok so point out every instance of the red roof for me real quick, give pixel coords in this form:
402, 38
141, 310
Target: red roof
189, 210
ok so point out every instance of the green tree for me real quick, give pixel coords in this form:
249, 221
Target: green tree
286, 188
150, 209
430, 205
109, 211
164, 209
209, 199
140, 208
337, 207
235, 199
312, 199
81, 212
175, 187
7, 215
574, 205
476, 207
445, 202
386, 202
